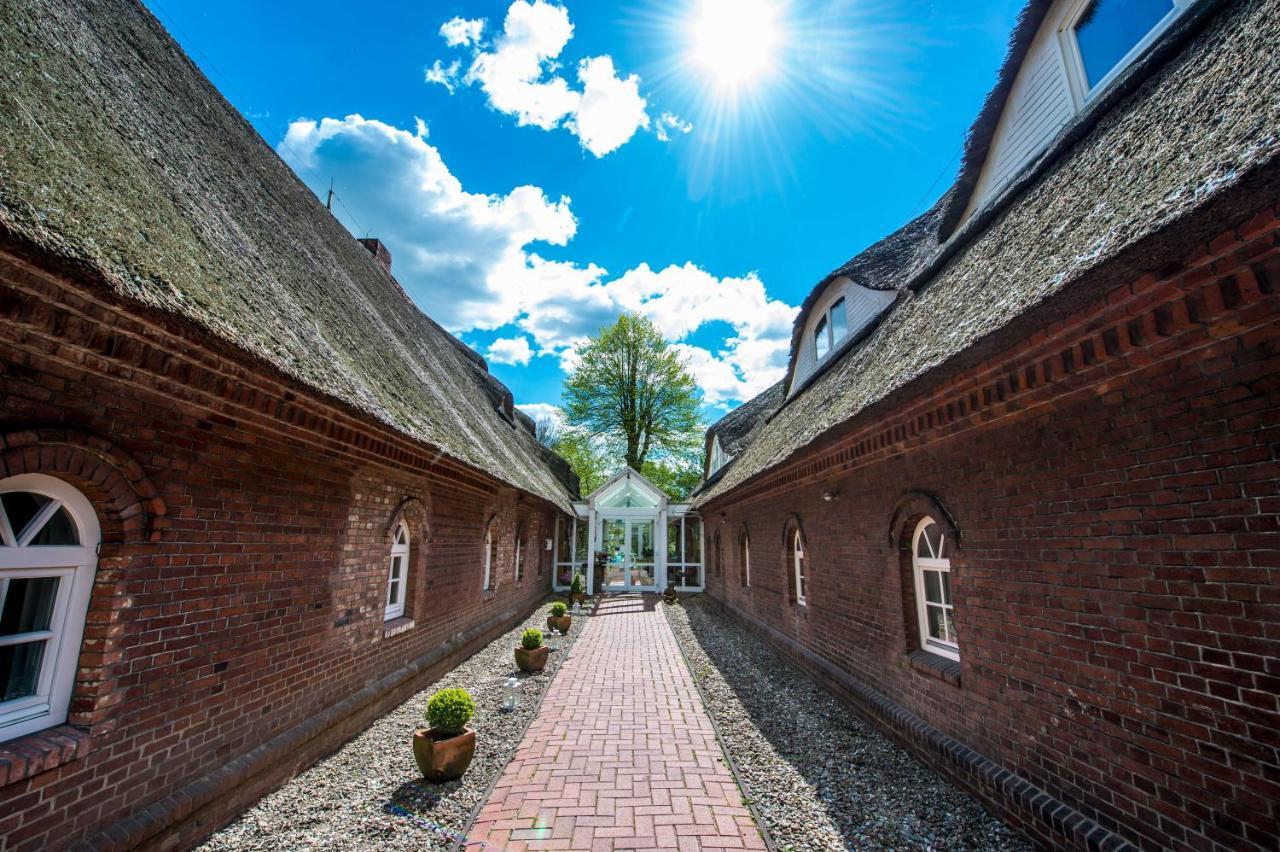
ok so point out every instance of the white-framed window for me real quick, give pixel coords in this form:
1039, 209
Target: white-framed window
798, 565
490, 554
1103, 37
830, 330
49, 538
519, 553
744, 558
932, 567
684, 551
398, 572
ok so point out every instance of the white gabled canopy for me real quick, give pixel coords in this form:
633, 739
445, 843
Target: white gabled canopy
627, 489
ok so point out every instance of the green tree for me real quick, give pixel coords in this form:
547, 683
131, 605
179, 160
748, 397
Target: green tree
590, 462
630, 388
677, 477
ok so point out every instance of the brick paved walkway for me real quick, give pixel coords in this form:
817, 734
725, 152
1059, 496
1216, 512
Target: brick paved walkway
622, 754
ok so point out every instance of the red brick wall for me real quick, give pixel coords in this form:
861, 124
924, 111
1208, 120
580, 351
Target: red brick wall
1115, 484
244, 567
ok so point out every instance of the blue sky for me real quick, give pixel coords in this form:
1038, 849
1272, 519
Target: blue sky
536, 173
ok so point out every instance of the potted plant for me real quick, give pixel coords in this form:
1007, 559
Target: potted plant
559, 618
575, 589
531, 654
444, 749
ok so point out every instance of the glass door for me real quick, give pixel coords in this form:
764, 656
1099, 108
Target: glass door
642, 554
629, 546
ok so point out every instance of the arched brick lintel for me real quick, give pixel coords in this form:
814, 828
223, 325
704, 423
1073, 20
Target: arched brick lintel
131, 506
908, 510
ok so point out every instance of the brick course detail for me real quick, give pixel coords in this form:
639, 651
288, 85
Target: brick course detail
622, 754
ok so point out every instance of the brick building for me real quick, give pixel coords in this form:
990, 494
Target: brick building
253, 498
1017, 496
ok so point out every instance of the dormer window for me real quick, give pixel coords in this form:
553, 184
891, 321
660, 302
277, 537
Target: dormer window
1107, 35
831, 329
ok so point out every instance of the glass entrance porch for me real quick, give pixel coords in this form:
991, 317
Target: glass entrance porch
628, 537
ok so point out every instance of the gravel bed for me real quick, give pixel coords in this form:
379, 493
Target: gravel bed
819, 776
370, 795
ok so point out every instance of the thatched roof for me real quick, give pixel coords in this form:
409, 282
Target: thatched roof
1154, 173
119, 158
735, 429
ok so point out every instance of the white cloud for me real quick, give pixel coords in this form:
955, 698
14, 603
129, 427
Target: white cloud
543, 411
461, 32
510, 350
470, 261
667, 125
518, 74
444, 75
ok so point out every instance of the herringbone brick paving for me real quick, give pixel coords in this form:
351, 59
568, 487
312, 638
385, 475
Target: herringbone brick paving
622, 754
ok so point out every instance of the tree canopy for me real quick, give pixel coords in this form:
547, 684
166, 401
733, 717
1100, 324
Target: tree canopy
631, 401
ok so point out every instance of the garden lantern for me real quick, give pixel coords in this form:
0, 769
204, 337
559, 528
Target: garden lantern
511, 694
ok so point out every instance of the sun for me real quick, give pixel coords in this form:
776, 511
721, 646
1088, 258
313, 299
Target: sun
735, 40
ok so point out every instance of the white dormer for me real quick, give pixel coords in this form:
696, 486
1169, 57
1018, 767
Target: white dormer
1082, 46
843, 311
718, 457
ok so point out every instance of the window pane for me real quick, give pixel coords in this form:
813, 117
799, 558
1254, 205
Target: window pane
839, 324
932, 590
564, 531
581, 532
28, 605
933, 533
693, 540
393, 594
1110, 28
936, 621
20, 669
821, 344
21, 507
951, 626
58, 530
946, 586
673, 541
395, 567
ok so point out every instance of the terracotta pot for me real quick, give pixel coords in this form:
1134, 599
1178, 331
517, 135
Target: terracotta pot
440, 757
580, 597
669, 594
531, 661
562, 623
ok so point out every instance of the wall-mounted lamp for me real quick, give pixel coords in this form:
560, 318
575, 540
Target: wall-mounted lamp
830, 495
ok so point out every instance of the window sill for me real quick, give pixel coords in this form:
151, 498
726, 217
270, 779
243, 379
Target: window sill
935, 665
396, 626
26, 757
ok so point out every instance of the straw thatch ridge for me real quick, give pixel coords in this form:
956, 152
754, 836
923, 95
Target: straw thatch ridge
119, 159
1119, 201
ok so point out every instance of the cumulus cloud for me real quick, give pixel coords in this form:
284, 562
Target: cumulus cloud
471, 261
462, 32
543, 411
667, 125
518, 73
510, 350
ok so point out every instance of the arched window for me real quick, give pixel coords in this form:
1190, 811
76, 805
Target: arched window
490, 554
519, 553
799, 566
931, 565
398, 572
744, 557
49, 535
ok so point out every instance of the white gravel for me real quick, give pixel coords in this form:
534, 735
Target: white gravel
370, 795
819, 776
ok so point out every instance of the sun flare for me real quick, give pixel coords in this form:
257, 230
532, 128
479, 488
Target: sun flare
735, 40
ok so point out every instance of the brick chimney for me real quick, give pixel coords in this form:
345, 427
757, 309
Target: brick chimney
379, 252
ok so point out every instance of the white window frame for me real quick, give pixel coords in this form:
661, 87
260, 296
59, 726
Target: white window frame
828, 330
75, 567
797, 556
1074, 59
489, 543
519, 561
397, 571
940, 564
745, 556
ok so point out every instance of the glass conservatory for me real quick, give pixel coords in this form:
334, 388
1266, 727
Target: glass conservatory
646, 541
